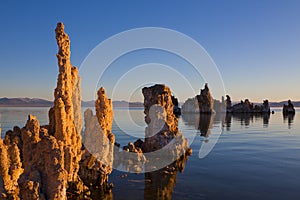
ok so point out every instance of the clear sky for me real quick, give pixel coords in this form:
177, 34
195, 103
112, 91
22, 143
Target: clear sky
254, 43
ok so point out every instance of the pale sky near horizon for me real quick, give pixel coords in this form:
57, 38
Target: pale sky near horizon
255, 44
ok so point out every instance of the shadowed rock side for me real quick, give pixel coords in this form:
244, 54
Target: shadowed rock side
163, 142
203, 103
98, 151
205, 100
162, 123
247, 107
288, 109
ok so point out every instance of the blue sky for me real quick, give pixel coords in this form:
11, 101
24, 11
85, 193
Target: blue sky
255, 44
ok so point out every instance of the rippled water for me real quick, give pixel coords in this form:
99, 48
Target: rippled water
254, 156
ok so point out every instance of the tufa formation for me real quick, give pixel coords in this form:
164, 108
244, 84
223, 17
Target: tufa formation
43, 162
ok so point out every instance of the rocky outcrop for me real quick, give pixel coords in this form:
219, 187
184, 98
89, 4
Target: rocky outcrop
288, 108
66, 102
248, 107
228, 103
190, 106
44, 175
176, 108
42, 162
132, 158
203, 103
205, 100
162, 123
98, 151
10, 163
104, 112
163, 142
219, 106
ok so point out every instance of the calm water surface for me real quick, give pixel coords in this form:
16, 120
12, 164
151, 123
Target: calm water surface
255, 157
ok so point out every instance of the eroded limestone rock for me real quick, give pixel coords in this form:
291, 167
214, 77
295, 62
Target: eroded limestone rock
163, 142
162, 123
44, 175
205, 100
41, 162
98, 151
66, 102
248, 107
10, 163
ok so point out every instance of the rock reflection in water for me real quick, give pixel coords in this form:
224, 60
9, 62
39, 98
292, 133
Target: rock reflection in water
204, 122
160, 184
289, 117
246, 119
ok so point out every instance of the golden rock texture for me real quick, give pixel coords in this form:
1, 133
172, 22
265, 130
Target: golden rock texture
66, 128
10, 163
44, 175
42, 162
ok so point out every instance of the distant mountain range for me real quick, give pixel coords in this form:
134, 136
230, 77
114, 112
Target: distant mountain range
36, 102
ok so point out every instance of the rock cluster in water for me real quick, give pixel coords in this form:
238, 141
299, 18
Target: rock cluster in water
53, 161
247, 107
289, 108
164, 143
203, 103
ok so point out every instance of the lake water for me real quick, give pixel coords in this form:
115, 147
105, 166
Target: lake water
251, 157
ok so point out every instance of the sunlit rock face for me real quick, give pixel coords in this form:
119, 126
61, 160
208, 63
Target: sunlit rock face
98, 151
41, 162
66, 102
10, 163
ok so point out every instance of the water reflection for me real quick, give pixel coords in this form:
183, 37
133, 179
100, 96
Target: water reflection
246, 119
289, 117
160, 184
205, 122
